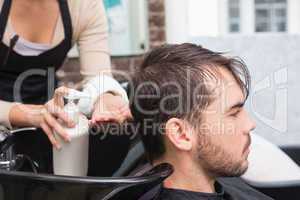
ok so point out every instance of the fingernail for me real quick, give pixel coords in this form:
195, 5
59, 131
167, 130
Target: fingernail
68, 139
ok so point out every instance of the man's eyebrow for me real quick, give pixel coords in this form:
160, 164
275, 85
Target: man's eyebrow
237, 105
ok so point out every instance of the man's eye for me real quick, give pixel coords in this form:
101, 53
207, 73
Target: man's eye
234, 114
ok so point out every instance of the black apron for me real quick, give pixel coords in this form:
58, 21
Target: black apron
31, 80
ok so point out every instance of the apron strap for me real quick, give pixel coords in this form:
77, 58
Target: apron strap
67, 21
4, 17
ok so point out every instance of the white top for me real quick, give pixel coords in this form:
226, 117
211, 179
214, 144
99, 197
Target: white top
27, 48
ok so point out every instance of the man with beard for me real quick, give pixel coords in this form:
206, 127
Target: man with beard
189, 106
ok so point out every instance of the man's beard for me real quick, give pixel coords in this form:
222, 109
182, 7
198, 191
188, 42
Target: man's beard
216, 161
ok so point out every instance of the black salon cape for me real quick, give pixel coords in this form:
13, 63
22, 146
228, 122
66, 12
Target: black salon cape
226, 189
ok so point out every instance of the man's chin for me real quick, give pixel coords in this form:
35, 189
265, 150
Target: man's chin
233, 172
246, 153
244, 167
239, 170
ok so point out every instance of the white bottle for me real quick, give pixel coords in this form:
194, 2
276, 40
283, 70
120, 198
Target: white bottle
72, 158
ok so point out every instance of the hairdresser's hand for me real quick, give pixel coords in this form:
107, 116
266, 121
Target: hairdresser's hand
47, 117
53, 117
110, 108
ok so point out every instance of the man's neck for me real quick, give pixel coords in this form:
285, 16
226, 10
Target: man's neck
188, 176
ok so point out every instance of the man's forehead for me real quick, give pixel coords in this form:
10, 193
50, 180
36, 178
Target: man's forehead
222, 79
224, 87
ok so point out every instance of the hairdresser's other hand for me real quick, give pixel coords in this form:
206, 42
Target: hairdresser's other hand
110, 108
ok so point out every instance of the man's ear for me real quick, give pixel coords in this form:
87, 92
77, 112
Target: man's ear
179, 134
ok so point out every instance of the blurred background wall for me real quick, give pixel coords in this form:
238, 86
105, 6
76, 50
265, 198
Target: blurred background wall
155, 34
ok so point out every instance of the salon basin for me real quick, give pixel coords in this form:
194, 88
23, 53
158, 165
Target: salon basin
274, 170
293, 152
288, 189
30, 186
20, 178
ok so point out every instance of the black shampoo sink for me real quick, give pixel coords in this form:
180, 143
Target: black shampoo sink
17, 184
31, 186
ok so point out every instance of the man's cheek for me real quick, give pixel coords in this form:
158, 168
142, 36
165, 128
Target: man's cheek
225, 127
230, 128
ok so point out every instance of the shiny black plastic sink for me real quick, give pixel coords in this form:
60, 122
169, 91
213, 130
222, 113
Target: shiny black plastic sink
20, 180
31, 186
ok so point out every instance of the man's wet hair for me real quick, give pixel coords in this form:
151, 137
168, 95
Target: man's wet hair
172, 81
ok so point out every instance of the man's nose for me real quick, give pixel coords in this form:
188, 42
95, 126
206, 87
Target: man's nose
251, 124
